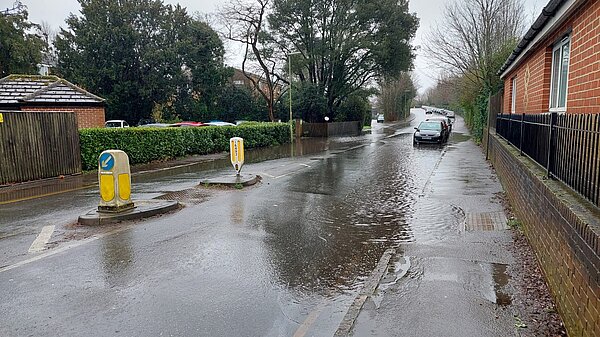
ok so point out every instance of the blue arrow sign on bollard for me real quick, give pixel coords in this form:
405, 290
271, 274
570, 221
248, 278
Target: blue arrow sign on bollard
107, 161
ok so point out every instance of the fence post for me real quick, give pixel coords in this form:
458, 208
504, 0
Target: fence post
549, 164
489, 123
509, 134
521, 134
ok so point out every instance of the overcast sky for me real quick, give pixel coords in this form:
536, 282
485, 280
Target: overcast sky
54, 12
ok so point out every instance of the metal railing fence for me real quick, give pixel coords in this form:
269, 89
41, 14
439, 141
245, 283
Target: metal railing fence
566, 145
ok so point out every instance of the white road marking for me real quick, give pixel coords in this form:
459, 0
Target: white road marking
305, 165
61, 249
42, 239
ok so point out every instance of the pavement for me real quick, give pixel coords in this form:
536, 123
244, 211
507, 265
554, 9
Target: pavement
410, 237
457, 281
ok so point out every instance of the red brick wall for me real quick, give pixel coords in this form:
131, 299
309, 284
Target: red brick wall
563, 234
87, 117
584, 67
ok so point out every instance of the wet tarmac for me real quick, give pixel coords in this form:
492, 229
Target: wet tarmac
286, 257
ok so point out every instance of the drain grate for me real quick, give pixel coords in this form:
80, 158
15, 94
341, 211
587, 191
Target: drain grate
493, 221
192, 196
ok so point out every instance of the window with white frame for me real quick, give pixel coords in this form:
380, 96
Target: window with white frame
560, 72
513, 96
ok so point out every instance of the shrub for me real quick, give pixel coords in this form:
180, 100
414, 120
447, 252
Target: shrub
144, 145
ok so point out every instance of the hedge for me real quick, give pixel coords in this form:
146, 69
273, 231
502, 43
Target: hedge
144, 145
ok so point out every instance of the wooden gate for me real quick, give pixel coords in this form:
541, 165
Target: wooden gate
36, 145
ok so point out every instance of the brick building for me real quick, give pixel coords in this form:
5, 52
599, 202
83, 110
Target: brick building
239, 79
556, 66
51, 93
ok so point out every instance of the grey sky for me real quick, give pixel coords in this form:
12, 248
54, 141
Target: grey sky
54, 12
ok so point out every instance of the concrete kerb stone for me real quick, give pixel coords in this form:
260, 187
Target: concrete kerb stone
232, 180
142, 209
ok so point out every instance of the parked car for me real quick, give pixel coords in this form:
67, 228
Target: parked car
116, 123
380, 118
219, 123
155, 125
446, 120
188, 124
428, 112
430, 132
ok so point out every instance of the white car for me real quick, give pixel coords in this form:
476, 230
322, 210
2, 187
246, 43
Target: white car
380, 118
219, 123
116, 123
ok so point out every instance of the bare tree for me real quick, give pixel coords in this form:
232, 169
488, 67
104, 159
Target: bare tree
48, 34
446, 92
395, 95
245, 22
474, 37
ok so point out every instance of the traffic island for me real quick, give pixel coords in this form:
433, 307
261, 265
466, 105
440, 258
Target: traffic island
238, 180
233, 180
142, 209
114, 178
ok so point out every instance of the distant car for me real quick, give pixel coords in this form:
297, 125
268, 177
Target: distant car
380, 118
446, 120
218, 123
428, 111
430, 132
116, 123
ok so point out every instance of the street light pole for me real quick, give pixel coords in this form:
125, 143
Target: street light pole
290, 90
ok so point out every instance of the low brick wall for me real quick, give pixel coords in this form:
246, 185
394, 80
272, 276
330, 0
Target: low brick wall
564, 231
87, 117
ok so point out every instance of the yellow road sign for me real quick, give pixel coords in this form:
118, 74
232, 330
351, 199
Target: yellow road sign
236, 149
1, 118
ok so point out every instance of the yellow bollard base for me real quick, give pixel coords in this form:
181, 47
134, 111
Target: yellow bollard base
115, 209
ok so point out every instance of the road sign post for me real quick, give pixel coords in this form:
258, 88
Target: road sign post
114, 177
236, 149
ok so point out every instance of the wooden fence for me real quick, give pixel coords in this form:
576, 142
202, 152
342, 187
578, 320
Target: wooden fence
566, 145
36, 145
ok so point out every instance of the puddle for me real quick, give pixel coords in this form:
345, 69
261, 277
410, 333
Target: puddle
494, 290
501, 279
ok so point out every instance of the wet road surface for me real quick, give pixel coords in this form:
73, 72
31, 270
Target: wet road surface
284, 258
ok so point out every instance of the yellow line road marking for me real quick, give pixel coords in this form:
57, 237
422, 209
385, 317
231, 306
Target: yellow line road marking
309, 321
45, 195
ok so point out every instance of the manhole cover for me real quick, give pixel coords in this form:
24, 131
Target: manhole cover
493, 221
192, 196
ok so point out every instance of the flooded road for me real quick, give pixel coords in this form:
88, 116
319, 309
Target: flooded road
284, 258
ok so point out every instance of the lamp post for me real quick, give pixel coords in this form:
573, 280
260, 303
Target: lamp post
405, 101
290, 90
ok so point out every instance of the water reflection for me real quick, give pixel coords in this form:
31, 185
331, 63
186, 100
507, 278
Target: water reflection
117, 258
237, 208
